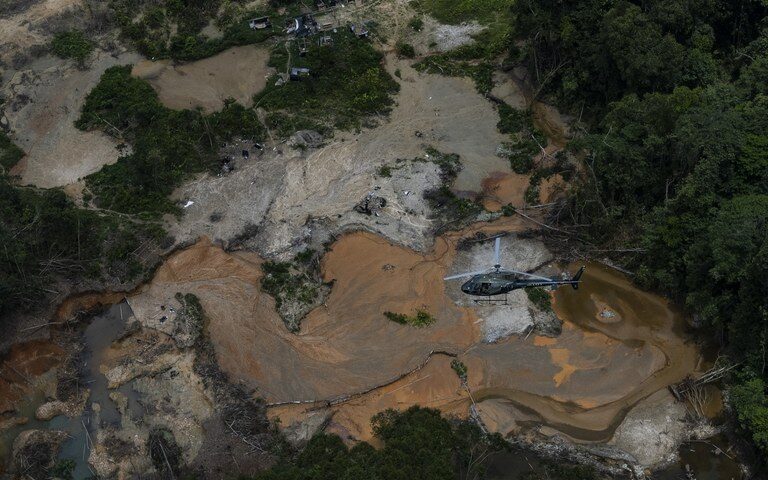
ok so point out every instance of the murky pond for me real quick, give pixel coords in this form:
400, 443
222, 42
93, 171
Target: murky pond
101, 331
619, 346
706, 460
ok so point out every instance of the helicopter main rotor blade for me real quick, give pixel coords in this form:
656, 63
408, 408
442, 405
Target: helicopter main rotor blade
538, 277
462, 275
496, 251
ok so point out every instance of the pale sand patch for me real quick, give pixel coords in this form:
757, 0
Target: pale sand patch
239, 73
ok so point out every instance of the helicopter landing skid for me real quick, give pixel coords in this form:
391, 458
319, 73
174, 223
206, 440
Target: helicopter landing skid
492, 300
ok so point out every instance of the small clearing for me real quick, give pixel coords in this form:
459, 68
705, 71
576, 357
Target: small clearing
237, 73
45, 102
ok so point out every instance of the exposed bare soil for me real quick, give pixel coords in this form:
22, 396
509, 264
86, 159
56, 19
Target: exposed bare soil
21, 370
580, 384
24, 28
284, 189
45, 101
345, 346
349, 362
504, 188
238, 73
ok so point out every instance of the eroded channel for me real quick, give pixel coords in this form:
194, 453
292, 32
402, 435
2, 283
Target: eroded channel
618, 345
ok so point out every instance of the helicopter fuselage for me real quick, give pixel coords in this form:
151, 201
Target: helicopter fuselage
499, 283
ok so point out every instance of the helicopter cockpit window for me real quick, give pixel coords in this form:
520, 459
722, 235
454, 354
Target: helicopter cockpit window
485, 287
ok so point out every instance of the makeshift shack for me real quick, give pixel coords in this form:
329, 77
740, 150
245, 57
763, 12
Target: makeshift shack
259, 23
298, 73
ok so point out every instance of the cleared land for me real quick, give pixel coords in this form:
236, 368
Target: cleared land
237, 73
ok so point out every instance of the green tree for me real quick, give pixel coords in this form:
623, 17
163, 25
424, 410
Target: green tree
751, 404
72, 44
417, 443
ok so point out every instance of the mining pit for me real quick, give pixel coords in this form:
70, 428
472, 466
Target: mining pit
591, 373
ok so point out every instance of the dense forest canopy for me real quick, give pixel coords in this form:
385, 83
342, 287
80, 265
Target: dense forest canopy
675, 97
417, 443
46, 239
672, 102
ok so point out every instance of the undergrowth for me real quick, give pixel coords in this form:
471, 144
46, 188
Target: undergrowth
422, 318
442, 200
47, 240
347, 84
478, 59
10, 154
72, 44
285, 282
174, 28
167, 145
540, 298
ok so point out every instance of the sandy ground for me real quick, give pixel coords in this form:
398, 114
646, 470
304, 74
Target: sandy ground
45, 101
284, 189
26, 29
238, 73
580, 384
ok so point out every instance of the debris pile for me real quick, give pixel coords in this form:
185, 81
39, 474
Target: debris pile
371, 204
306, 139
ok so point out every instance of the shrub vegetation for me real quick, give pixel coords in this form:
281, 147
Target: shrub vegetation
405, 50
475, 60
72, 44
422, 318
174, 28
416, 443
347, 84
540, 298
47, 239
460, 369
167, 145
10, 154
283, 281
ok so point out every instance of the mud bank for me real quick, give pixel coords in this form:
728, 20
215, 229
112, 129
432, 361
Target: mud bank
239, 73
347, 345
45, 100
350, 362
579, 385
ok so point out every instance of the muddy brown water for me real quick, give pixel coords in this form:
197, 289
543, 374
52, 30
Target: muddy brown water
581, 383
706, 460
35, 359
619, 344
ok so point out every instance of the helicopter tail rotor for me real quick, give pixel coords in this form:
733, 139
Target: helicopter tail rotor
577, 278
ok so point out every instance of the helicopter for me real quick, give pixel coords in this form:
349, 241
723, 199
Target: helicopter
498, 281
